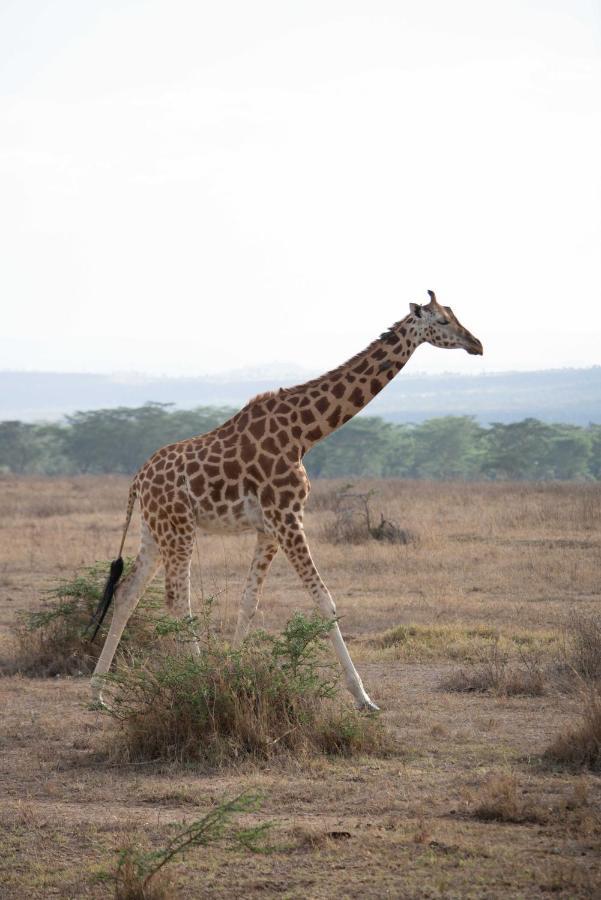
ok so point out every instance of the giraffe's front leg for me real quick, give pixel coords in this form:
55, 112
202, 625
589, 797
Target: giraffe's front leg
265, 550
293, 540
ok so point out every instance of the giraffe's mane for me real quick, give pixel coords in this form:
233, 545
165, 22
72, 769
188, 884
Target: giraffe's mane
319, 379
282, 393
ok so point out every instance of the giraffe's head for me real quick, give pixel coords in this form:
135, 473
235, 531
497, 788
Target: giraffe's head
439, 326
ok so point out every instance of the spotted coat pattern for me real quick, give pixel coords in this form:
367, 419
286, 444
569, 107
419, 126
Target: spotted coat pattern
248, 474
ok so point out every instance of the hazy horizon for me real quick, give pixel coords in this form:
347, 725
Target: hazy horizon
191, 187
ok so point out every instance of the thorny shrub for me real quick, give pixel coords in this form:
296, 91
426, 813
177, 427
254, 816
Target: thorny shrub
273, 695
53, 639
353, 522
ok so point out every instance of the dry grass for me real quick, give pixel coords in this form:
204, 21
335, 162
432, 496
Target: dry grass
498, 673
582, 648
494, 562
502, 800
579, 745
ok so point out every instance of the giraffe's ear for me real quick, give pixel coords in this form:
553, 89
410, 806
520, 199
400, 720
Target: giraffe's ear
416, 309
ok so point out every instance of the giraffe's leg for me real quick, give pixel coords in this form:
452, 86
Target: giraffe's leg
294, 543
177, 557
265, 550
125, 601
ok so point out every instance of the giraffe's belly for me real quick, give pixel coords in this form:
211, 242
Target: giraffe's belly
246, 515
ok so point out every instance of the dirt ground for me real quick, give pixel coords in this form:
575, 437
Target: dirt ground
511, 561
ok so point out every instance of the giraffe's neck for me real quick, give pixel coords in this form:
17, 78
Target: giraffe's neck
324, 404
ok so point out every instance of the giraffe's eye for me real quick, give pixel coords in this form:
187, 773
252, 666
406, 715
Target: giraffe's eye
443, 321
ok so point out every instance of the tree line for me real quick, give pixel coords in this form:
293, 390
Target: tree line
449, 447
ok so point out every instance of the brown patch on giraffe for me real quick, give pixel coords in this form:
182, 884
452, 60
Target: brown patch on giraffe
248, 450
361, 367
281, 466
356, 397
267, 495
257, 428
296, 432
231, 492
270, 446
215, 489
375, 386
197, 485
334, 419
307, 416
286, 498
231, 469
322, 404
211, 471
315, 434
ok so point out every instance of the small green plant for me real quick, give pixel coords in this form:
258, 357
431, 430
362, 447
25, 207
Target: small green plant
272, 695
53, 640
139, 873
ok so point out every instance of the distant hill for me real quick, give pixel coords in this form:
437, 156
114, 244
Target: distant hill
553, 395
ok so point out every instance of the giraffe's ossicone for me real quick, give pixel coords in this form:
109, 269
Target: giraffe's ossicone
248, 474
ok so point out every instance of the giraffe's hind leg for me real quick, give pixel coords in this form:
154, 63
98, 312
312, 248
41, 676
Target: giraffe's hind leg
126, 599
176, 551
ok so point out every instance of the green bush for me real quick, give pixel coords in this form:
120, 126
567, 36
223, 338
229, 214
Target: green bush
53, 640
272, 696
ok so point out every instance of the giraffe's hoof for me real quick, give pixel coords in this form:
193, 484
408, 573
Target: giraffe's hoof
367, 705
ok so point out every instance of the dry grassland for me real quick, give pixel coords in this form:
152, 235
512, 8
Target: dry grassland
466, 807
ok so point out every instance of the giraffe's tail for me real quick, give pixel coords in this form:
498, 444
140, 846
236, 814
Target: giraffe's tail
115, 573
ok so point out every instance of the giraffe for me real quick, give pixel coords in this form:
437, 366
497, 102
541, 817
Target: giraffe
248, 474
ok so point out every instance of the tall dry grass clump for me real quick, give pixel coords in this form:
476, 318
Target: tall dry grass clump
582, 644
53, 640
579, 745
272, 696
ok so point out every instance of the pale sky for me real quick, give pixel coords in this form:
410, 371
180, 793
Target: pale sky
190, 187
